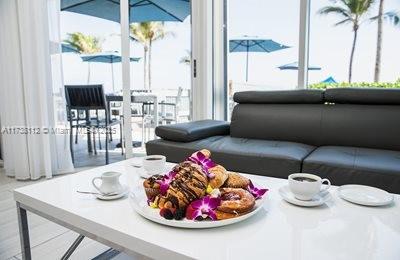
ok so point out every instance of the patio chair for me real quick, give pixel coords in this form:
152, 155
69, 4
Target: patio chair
168, 113
90, 98
79, 116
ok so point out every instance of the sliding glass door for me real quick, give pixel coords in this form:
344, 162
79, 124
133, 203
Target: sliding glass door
262, 45
141, 55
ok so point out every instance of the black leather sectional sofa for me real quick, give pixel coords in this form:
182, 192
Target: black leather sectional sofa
347, 135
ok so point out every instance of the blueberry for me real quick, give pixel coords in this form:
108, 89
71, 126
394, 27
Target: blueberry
168, 214
179, 214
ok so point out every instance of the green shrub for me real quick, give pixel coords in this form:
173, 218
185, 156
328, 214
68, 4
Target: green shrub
356, 85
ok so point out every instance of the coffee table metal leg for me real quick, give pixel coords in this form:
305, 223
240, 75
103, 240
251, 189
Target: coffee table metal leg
24, 233
108, 254
72, 248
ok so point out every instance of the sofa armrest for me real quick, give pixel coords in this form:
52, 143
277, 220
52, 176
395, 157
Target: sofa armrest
188, 132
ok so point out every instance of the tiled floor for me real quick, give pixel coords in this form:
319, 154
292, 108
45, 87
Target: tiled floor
49, 240
85, 159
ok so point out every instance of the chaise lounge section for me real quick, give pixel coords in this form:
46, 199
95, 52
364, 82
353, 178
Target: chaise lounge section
346, 135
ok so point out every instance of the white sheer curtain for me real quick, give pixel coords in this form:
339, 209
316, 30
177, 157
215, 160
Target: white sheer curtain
32, 108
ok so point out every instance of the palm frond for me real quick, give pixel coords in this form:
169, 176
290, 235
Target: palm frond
84, 43
334, 10
147, 32
353, 11
345, 21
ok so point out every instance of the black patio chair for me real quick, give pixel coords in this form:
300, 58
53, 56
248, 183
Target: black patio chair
90, 98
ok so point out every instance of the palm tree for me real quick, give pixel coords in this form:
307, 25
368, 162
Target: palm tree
352, 12
139, 32
187, 59
84, 44
393, 18
146, 33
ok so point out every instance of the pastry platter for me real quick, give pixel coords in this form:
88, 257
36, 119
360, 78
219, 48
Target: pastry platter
138, 201
197, 193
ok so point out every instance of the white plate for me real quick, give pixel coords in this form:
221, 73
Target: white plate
318, 200
138, 201
125, 191
365, 195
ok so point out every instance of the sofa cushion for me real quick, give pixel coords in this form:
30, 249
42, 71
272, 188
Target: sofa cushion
191, 131
369, 126
289, 115
352, 165
300, 123
178, 151
262, 157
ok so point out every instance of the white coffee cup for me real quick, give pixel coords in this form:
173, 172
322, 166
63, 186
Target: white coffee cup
109, 183
305, 186
154, 164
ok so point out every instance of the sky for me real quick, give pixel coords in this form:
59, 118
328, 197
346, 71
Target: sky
168, 72
276, 20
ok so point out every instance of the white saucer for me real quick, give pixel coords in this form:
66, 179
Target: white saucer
125, 190
318, 200
365, 195
144, 174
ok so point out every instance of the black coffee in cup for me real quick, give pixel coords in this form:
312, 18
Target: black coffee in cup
305, 186
304, 179
154, 164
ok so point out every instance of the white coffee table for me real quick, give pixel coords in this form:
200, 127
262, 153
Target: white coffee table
337, 230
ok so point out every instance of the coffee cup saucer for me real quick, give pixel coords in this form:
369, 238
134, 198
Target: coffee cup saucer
124, 191
317, 200
145, 174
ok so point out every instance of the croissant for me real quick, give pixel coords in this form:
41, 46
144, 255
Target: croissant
190, 183
220, 176
206, 152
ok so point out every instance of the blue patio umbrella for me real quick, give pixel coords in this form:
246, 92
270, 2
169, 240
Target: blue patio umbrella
105, 57
295, 66
253, 44
329, 80
66, 47
140, 10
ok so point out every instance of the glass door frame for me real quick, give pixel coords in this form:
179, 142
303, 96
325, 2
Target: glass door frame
209, 70
200, 11
126, 78
303, 52
304, 36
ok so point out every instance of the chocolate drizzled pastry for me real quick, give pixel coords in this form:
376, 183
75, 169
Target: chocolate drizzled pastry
190, 184
151, 186
152, 180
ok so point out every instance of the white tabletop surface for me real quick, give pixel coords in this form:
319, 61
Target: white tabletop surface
337, 230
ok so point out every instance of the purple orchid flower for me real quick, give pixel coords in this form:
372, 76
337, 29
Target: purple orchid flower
166, 180
256, 192
205, 163
203, 208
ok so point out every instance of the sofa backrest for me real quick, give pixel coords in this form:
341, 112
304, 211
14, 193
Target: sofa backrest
278, 115
344, 117
362, 118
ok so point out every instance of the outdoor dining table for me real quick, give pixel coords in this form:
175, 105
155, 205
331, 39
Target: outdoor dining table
147, 98
136, 98
144, 98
